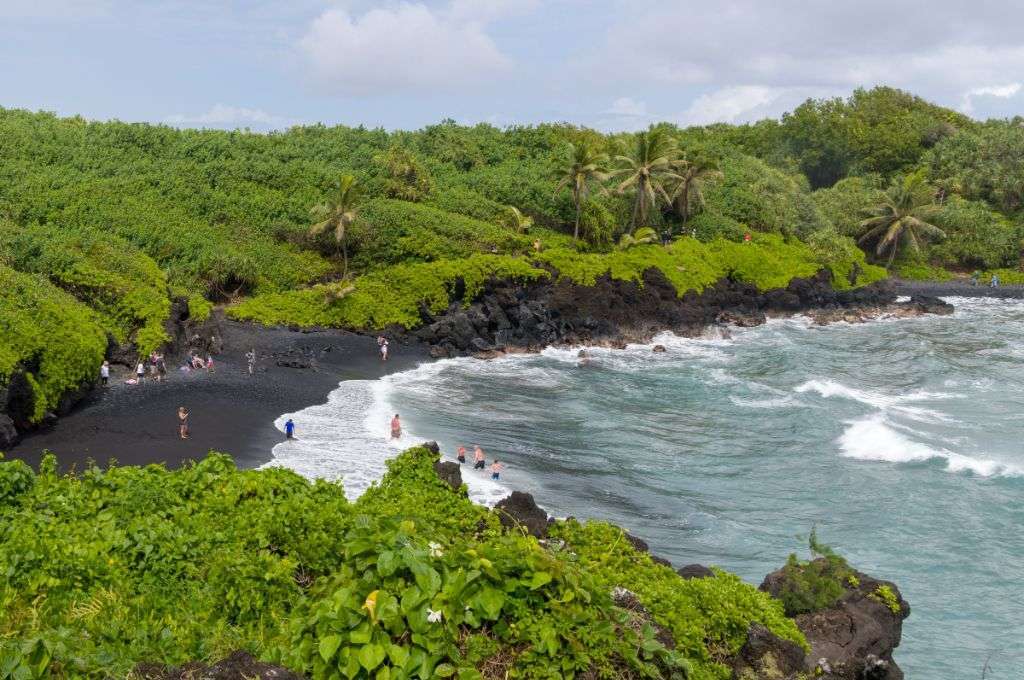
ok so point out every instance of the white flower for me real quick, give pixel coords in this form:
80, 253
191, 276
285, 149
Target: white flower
433, 617
435, 549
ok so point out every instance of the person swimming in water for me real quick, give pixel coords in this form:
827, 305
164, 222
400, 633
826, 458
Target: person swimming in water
460, 455
396, 428
289, 429
496, 469
479, 460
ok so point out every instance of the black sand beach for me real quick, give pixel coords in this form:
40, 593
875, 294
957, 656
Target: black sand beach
230, 411
957, 288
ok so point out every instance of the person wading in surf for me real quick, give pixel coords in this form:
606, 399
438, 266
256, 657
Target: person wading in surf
396, 428
461, 455
479, 460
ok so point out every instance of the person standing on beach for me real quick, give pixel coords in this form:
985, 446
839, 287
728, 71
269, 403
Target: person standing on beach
250, 357
183, 422
995, 281
161, 367
479, 459
289, 429
153, 367
209, 363
460, 455
384, 350
396, 428
105, 373
140, 372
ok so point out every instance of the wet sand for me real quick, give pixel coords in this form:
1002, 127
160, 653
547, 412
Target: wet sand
230, 411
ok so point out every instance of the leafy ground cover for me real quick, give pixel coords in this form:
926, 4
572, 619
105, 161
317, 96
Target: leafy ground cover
113, 567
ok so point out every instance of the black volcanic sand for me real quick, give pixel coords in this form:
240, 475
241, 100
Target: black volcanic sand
957, 288
230, 411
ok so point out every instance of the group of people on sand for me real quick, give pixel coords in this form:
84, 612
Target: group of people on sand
480, 461
155, 365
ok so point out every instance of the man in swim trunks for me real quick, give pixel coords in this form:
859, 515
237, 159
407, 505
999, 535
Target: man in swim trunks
461, 455
479, 460
496, 469
396, 428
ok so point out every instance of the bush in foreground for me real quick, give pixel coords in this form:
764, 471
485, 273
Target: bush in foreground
114, 567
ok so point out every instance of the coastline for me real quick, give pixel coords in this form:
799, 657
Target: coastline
944, 289
230, 411
234, 413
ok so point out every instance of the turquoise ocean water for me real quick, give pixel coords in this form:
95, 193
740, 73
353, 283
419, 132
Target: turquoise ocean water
902, 440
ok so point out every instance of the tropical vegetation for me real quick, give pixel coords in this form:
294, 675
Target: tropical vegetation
112, 567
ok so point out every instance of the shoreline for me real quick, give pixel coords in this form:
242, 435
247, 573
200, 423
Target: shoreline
230, 411
234, 413
944, 289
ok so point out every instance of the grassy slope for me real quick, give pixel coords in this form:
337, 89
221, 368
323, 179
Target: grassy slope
130, 564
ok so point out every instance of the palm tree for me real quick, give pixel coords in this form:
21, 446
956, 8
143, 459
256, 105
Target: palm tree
647, 170
338, 213
583, 166
901, 218
688, 196
643, 236
515, 220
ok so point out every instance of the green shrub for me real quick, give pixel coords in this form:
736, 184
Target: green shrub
53, 338
921, 271
388, 296
975, 236
817, 584
886, 596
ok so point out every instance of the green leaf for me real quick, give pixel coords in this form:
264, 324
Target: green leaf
540, 578
398, 655
328, 646
445, 670
387, 563
427, 577
491, 601
371, 656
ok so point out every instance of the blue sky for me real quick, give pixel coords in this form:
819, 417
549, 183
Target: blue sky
606, 63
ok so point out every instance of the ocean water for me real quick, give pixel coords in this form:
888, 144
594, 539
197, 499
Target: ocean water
902, 440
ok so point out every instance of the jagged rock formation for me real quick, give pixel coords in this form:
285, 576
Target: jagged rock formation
695, 571
508, 316
766, 655
520, 510
853, 639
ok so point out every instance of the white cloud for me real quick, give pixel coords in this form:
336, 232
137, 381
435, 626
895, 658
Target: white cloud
487, 11
730, 104
793, 45
222, 115
401, 48
1000, 91
627, 106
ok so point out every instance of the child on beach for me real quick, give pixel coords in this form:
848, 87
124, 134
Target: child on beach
384, 351
396, 428
140, 372
461, 455
183, 422
209, 363
496, 469
479, 460
105, 373
289, 429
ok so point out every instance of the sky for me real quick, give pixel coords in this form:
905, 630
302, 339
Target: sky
609, 64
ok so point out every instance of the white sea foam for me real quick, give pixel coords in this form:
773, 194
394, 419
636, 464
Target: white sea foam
774, 402
348, 437
874, 438
900, 403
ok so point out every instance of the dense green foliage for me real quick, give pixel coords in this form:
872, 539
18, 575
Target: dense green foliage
48, 337
117, 566
125, 217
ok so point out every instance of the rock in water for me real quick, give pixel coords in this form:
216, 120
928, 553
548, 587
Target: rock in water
854, 638
520, 510
659, 348
766, 655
